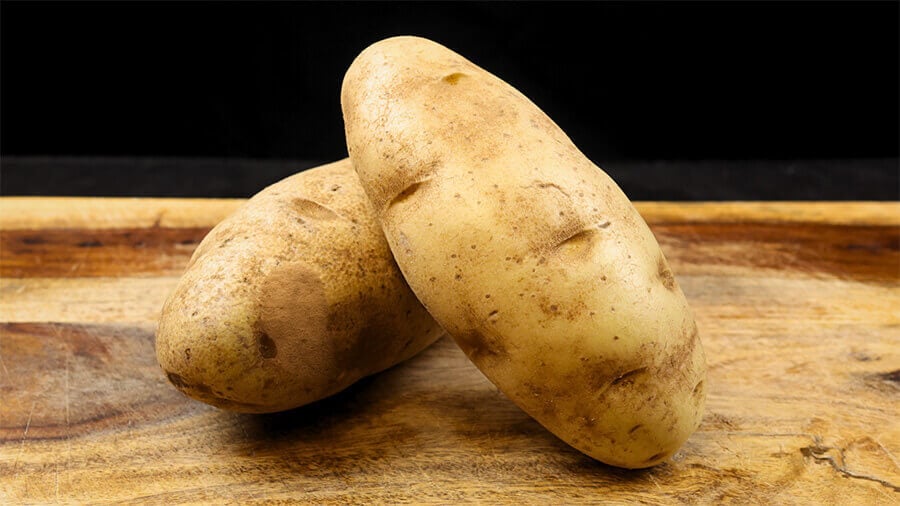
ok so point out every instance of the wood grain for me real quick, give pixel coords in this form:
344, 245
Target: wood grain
67, 253
798, 307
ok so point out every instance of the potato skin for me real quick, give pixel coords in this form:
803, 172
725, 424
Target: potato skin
528, 254
292, 298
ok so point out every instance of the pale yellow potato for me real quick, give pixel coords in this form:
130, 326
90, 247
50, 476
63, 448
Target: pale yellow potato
292, 298
527, 253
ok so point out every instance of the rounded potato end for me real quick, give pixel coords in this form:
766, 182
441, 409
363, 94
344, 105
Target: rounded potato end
242, 354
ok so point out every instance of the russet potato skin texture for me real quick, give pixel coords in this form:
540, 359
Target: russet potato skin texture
528, 254
292, 298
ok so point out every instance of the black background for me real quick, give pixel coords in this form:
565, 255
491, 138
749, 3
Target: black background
768, 99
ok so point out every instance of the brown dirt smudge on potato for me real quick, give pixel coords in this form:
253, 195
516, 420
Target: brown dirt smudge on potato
478, 346
665, 274
278, 331
453, 79
266, 346
674, 361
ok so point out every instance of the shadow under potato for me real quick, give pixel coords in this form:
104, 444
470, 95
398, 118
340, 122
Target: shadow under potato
299, 422
406, 418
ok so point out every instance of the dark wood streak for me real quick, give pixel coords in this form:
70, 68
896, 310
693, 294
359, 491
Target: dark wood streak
855, 252
863, 253
65, 379
83, 253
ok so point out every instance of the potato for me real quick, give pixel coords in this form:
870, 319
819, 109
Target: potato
528, 254
292, 298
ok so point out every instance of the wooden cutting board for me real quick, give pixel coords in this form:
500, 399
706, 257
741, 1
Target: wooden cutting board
798, 305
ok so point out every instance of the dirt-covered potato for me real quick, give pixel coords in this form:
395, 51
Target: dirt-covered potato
528, 254
292, 298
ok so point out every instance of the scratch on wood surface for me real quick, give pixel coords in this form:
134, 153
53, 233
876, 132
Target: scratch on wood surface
886, 451
68, 357
655, 481
68, 422
3, 365
422, 470
821, 453
491, 447
22, 443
